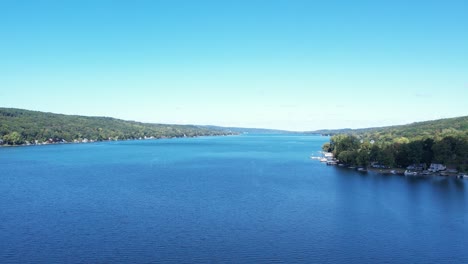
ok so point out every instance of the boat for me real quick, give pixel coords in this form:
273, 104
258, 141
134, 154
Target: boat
461, 176
362, 169
410, 173
323, 160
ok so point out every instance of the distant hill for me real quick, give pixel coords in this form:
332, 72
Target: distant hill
18, 126
330, 131
440, 127
249, 130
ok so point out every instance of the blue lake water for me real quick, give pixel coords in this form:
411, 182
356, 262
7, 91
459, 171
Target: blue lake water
236, 199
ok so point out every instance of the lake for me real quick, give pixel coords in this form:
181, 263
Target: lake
234, 199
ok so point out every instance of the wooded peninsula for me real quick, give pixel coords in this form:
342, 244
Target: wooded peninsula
443, 141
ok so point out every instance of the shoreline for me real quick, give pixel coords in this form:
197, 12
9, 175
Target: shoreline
398, 171
401, 172
329, 160
101, 141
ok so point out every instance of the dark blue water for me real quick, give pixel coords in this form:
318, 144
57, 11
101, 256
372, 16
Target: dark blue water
240, 199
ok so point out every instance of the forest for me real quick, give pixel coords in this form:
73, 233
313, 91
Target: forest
442, 141
18, 127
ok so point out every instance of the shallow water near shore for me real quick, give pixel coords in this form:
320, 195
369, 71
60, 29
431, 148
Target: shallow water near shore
238, 199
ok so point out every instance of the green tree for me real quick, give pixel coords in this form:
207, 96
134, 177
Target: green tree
347, 157
14, 138
374, 152
326, 147
401, 154
363, 157
386, 157
341, 143
428, 154
444, 150
415, 152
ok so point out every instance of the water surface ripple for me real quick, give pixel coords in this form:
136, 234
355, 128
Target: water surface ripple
237, 199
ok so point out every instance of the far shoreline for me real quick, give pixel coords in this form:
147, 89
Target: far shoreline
103, 141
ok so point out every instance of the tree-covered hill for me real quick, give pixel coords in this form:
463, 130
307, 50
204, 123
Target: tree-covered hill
442, 141
241, 130
19, 126
433, 128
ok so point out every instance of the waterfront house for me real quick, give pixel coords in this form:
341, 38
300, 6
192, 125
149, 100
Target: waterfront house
435, 167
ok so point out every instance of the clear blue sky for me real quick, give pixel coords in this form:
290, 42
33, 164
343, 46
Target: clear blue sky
293, 64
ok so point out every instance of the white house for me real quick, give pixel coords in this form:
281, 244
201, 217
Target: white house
435, 167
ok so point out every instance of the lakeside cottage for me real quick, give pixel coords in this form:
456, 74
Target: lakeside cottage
435, 167
328, 155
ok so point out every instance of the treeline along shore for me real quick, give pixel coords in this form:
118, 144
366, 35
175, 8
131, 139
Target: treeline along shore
417, 145
24, 127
